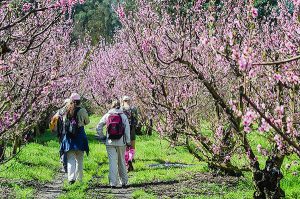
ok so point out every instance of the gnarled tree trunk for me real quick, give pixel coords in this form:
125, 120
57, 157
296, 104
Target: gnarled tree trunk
267, 181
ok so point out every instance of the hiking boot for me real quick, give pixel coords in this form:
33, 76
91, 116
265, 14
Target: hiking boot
125, 186
130, 166
72, 182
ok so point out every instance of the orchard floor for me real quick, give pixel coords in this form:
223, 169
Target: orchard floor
196, 186
160, 172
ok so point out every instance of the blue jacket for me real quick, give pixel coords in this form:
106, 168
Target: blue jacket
80, 142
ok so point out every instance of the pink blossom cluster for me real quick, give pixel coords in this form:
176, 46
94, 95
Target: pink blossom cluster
26, 7
68, 3
121, 12
254, 12
248, 120
279, 142
264, 127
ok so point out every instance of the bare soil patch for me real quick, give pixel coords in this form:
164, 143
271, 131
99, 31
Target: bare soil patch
188, 184
6, 192
52, 189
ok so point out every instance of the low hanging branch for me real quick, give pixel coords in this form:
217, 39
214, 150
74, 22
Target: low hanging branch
24, 18
272, 124
277, 62
261, 63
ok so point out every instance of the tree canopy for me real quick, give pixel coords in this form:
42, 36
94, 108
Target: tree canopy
97, 20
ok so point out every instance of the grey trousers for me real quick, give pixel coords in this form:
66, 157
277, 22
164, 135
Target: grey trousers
117, 167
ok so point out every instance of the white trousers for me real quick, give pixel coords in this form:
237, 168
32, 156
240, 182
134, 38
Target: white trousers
117, 167
75, 165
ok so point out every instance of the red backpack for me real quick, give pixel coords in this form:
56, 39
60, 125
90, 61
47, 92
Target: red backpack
115, 127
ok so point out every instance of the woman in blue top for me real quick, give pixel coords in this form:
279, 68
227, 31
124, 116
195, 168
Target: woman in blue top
74, 145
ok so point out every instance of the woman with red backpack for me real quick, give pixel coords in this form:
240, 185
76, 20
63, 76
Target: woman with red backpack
75, 141
116, 139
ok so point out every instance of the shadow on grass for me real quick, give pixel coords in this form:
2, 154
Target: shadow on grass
139, 185
154, 169
20, 182
160, 161
46, 137
163, 163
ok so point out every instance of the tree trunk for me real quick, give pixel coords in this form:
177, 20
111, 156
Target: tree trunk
16, 146
2, 151
42, 127
150, 127
37, 131
267, 182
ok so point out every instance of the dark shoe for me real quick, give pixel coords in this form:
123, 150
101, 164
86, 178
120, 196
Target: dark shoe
124, 186
72, 182
130, 166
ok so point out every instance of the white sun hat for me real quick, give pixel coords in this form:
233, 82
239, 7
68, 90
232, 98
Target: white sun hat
126, 98
75, 97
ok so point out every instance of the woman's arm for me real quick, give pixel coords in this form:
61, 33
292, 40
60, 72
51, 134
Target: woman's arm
100, 126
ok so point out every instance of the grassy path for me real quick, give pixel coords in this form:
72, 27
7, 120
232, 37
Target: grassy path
35, 173
152, 176
52, 189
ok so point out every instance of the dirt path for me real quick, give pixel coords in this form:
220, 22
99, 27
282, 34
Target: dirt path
99, 190
5, 192
189, 184
52, 189
107, 192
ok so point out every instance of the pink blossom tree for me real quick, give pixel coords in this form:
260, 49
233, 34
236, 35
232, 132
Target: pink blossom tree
38, 65
214, 76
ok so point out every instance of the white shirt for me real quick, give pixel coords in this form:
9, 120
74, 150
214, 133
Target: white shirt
120, 142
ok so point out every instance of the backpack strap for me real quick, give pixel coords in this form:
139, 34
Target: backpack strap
77, 109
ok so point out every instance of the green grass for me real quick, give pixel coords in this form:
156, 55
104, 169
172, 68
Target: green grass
24, 192
152, 150
142, 194
39, 161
